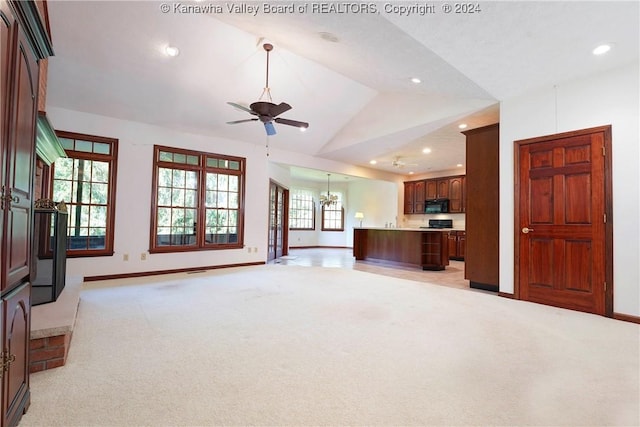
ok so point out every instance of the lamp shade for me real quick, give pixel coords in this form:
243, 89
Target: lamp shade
359, 215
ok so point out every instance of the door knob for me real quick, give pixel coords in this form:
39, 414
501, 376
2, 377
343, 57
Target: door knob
526, 230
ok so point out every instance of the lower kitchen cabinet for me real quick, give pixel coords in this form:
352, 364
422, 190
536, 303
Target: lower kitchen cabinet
457, 243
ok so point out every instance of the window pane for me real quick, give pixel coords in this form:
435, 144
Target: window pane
179, 158
165, 177
100, 172
85, 146
193, 160
99, 193
101, 148
165, 156
191, 180
66, 143
178, 178
164, 196
63, 168
177, 197
62, 191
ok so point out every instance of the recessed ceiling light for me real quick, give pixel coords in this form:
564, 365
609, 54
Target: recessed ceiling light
172, 51
462, 126
302, 129
373, 162
459, 165
426, 150
603, 48
416, 80
411, 173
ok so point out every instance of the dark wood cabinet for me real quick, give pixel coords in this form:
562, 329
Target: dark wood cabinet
426, 249
23, 42
419, 197
457, 244
449, 187
456, 190
409, 197
482, 207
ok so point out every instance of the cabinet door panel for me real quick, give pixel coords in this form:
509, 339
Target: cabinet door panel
409, 197
20, 165
443, 188
17, 307
431, 189
455, 195
419, 197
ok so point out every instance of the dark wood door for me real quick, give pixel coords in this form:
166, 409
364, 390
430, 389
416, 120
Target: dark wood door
562, 221
278, 221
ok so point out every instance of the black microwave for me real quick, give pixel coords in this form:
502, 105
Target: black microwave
433, 206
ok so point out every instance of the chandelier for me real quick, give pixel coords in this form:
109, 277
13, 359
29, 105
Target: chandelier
329, 199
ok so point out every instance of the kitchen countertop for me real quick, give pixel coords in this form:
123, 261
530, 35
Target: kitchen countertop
409, 228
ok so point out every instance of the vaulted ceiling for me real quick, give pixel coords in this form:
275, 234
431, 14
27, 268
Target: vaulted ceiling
346, 73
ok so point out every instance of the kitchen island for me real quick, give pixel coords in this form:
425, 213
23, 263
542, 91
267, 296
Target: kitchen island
419, 247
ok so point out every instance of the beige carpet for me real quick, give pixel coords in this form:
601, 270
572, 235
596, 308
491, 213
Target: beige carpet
299, 346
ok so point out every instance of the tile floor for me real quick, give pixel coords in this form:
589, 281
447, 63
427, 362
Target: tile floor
452, 275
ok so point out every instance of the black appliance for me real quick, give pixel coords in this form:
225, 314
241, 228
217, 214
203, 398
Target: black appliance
440, 223
436, 206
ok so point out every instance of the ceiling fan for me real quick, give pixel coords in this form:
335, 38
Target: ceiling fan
266, 111
398, 163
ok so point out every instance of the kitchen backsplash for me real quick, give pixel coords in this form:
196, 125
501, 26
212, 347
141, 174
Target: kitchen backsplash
415, 221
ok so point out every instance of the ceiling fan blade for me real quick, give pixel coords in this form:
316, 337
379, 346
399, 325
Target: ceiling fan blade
270, 128
292, 123
241, 121
276, 110
241, 107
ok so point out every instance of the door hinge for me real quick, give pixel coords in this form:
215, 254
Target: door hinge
604, 151
7, 360
605, 286
6, 200
604, 217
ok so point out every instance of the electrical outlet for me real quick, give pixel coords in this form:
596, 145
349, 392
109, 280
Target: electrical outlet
249, 250
255, 250
143, 256
125, 257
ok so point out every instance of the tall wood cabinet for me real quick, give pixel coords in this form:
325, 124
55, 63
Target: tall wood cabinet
482, 207
23, 41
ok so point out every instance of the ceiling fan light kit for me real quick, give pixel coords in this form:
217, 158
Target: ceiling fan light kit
265, 110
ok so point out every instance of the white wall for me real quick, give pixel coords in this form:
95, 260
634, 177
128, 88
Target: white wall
359, 195
610, 98
133, 195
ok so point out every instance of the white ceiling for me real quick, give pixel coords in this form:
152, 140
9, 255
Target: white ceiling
355, 92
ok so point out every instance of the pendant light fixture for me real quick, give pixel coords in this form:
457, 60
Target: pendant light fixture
329, 199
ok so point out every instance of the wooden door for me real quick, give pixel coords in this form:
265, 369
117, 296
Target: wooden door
564, 232
278, 221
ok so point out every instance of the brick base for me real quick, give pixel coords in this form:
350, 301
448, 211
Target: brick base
48, 352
